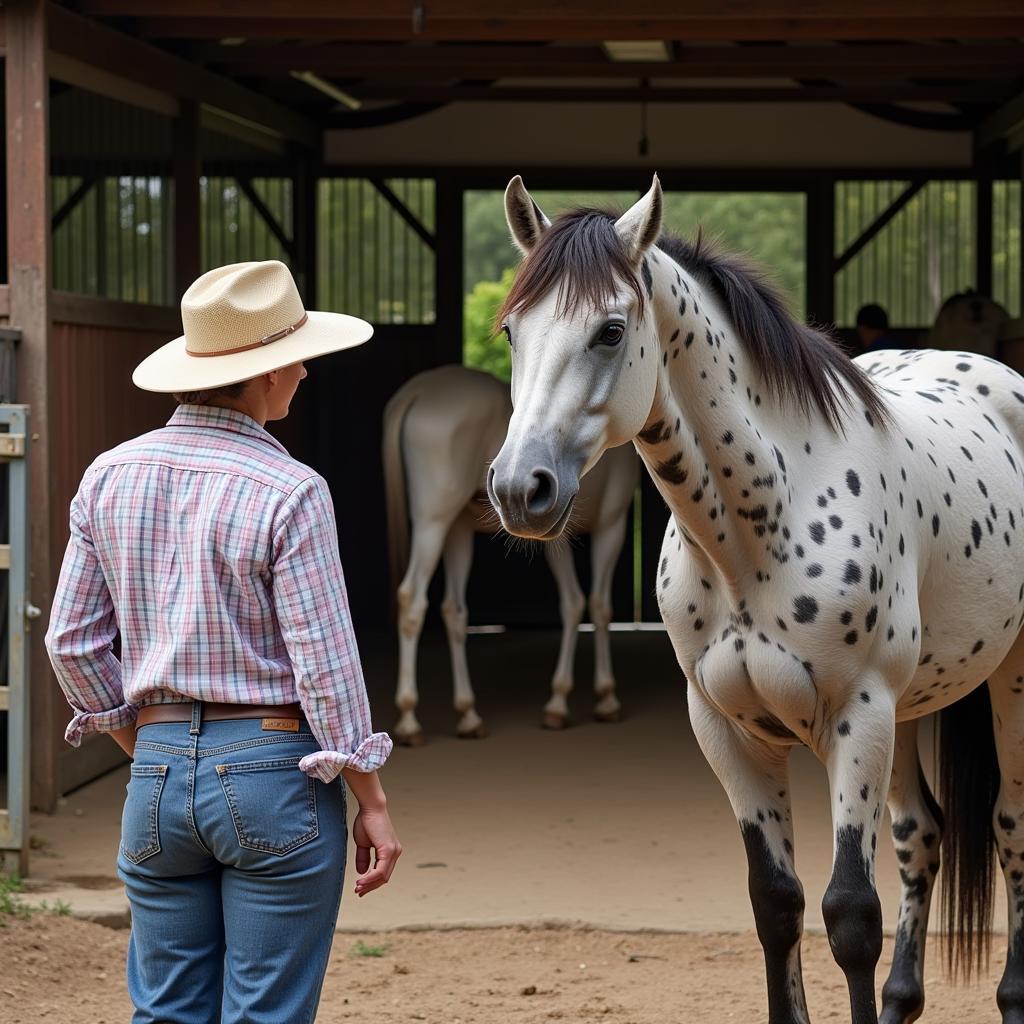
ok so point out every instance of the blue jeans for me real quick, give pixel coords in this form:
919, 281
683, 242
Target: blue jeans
234, 863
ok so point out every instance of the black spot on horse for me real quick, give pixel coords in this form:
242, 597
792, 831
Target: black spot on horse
805, 609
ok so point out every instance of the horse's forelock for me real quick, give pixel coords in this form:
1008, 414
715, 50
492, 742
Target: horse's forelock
582, 257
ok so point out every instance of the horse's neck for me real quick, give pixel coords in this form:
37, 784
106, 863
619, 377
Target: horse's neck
704, 443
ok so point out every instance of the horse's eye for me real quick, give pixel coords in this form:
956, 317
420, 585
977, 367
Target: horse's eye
611, 334
507, 332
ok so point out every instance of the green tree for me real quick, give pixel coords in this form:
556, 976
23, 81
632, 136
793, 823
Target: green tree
483, 349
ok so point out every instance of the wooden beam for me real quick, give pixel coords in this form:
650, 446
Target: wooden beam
954, 92
69, 204
27, 103
875, 227
187, 213
819, 245
70, 308
305, 227
245, 184
504, 28
542, 10
88, 41
404, 212
983, 238
1005, 123
901, 62
449, 217
95, 79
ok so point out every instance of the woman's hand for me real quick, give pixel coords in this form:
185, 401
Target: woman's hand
372, 830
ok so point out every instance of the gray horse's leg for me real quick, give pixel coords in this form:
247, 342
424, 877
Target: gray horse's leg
570, 605
605, 548
458, 560
917, 833
425, 552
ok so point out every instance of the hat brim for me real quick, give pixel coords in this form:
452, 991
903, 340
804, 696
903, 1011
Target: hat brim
170, 368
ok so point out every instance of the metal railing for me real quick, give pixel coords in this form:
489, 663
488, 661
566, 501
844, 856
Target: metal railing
14, 693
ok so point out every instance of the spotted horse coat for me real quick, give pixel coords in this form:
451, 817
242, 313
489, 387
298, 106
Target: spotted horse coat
844, 554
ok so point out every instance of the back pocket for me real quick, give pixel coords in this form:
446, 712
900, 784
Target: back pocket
140, 822
272, 804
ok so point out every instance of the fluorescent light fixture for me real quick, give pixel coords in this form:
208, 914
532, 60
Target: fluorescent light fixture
322, 85
638, 51
233, 41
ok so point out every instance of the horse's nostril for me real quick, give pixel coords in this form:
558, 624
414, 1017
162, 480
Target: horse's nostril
543, 491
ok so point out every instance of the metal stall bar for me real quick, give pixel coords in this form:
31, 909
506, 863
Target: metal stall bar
14, 695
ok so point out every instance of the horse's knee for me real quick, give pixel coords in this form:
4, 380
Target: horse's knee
600, 611
851, 908
412, 610
572, 607
455, 618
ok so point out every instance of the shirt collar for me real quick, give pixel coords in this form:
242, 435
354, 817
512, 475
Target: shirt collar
217, 417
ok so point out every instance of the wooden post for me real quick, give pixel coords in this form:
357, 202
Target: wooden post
187, 169
448, 231
304, 227
820, 251
28, 248
983, 231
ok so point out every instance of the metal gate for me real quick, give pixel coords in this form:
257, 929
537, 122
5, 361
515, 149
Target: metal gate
14, 693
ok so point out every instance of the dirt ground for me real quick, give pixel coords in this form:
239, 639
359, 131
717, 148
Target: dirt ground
57, 969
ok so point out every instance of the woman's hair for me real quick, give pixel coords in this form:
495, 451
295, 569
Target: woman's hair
210, 394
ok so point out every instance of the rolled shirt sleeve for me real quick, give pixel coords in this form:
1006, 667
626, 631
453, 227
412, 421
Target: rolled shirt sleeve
81, 633
312, 609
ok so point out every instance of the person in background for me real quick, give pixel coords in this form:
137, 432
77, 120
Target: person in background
873, 329
238, 690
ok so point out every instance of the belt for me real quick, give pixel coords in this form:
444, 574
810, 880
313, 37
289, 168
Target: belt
213, 712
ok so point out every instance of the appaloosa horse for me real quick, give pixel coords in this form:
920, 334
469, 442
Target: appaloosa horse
845, 553
441, 430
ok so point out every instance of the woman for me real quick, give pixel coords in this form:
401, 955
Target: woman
238, 690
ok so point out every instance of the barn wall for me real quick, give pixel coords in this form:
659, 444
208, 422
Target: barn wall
94, 406
680, 135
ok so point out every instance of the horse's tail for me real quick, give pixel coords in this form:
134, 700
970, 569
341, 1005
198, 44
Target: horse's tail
968, 787
394, 481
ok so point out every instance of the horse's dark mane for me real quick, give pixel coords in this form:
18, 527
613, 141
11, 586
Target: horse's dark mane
582, 256
796, 360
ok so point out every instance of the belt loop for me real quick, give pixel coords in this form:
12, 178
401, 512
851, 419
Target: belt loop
197, 716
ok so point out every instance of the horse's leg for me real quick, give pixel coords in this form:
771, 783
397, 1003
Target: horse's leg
1004, 687
917, 832
425, 552
605, 548
570, 605
458, 559
858, 752
755, 776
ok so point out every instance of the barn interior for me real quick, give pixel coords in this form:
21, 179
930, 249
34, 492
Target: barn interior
367, 146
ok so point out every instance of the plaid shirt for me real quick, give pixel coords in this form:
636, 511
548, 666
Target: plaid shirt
216, 556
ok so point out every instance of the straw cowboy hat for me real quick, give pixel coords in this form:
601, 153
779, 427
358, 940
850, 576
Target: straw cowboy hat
241, 321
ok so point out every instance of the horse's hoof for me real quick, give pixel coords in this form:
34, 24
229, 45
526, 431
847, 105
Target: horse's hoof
412, 739
554, 721
478, 732
608, 716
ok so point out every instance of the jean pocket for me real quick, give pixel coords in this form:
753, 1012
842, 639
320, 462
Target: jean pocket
272, 804
140, 822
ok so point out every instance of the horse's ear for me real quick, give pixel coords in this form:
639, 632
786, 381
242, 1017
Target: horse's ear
525, 219
640, 226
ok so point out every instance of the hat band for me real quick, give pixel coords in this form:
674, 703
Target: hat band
266, 340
